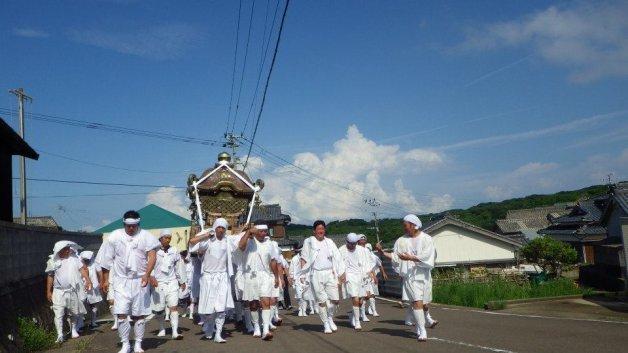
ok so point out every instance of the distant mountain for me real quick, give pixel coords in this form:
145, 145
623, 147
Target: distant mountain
483, 215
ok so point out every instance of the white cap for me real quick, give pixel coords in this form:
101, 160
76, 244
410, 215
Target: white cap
87, 255
362, 236
414, 220
62, 244
220, 222
165, 233
353, 238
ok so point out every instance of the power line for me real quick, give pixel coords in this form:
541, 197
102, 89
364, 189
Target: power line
106, 165
246, 54
270, 72
115, 128
235, 60
97, 195
102, 183
263, 56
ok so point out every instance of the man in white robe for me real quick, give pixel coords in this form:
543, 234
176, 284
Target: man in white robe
372, 290
93, 296
107, 295
277, 293
321, 258
65, 272
359, 272
170, 276
413, 258
260, 276
216, 269
196, 258
297, 281
130, 257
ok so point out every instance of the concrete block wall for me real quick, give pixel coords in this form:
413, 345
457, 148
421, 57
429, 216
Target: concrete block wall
24, 252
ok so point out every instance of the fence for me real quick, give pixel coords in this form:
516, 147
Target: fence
24, 252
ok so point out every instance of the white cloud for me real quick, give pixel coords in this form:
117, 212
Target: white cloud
578, 124
171, 199
591, 38
254, 165
157, 42
356, 168
526, 179
30, 33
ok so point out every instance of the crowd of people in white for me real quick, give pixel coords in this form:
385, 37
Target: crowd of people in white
240, 277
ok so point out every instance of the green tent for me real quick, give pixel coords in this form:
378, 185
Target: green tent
152, 217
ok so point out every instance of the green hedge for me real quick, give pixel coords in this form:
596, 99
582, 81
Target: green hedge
476, 294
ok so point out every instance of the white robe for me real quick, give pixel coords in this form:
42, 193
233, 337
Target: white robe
217, 268
416, 276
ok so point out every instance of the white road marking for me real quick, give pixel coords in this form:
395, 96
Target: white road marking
460, 343
535, 316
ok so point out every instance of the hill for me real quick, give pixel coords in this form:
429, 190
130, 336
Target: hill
483, 215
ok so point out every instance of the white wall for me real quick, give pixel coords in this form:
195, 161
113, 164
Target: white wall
455, 245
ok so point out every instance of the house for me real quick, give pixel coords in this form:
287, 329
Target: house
272, 216
11, 144
524, 224
581, 227
40, 221
154, 219
459, 243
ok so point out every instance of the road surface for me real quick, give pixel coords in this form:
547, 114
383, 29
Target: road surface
460, 330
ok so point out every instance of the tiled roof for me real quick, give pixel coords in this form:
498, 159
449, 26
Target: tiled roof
43, 221
269, 213
449, 220
539, 212
621, 196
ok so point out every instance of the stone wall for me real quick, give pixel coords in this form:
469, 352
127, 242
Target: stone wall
24, 252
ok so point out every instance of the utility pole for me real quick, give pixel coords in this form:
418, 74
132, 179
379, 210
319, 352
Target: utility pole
376, 225
231, 141
21, 97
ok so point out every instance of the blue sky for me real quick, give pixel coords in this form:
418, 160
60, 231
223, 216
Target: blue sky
423, 106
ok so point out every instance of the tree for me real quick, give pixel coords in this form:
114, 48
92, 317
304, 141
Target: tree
550, 254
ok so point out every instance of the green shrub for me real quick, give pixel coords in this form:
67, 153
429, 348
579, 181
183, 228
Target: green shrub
476, 294
33, 336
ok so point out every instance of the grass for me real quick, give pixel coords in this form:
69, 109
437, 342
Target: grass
476, 294
33, 336
83, 344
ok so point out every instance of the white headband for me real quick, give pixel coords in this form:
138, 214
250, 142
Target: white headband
165, 233
352, 238
261, 227
414, 220
131, 221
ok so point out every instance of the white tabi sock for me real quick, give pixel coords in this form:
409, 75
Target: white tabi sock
246, 316
409, 316
331, 310
94, 315
74, 325
162, 321
363, 312
167, 316
356, 316
138, 329
174, 323
275, 312
266, 321
322, 313
372, 305
124, 329
191, 310
419, 318
255, 320
59, 322
428, 318
220, 321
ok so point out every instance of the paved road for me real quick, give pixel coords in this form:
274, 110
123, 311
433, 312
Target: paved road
460, 330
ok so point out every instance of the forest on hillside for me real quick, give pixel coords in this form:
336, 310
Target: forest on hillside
483, 215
